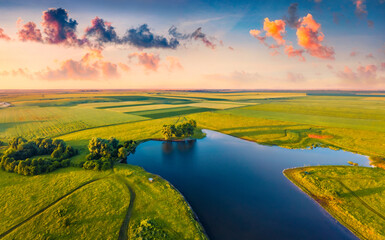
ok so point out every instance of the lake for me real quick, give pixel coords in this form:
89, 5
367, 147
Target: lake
237, 188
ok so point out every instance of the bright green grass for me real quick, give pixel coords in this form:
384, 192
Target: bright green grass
143, 108
316, 120
169, 112
100, 204
21, 196
292, 134
217, 104
96, 210
104, 105
33, 122
355, 196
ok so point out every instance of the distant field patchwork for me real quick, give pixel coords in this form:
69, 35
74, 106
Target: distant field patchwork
32, 122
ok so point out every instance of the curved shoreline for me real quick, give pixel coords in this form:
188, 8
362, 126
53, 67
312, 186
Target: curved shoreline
194, 215
313, 197
342, 225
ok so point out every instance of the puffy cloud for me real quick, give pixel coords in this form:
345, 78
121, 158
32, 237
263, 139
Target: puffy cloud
360, 8
310, 38
149, 61
291, 52
197, 35
108, 69
275, 29
29, 32
292, 19
3, 35
102, 31
90, 67
60, 29
142, 37
173, 63
308, 34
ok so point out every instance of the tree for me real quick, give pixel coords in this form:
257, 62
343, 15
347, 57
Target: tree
167, 132
185, 129
122, 153
103, 153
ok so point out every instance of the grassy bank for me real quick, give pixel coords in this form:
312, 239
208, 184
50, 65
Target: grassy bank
96, 208
355, 196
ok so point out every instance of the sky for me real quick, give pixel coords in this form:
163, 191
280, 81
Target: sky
192, 44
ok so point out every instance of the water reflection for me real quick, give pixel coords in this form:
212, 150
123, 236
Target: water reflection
237, 188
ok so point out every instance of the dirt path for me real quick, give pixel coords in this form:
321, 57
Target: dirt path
46, 207
123, 232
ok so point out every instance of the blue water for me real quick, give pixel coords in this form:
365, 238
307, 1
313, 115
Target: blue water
237, 188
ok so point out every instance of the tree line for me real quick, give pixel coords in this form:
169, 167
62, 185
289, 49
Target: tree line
185, 129
17, 157
104, 152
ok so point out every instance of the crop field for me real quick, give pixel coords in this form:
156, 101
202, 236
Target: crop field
170, 112
32, 122
355, 196
347, 121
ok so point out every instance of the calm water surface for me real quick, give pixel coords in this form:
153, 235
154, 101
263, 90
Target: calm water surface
237, 188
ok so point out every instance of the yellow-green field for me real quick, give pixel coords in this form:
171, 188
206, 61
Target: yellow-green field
348, 121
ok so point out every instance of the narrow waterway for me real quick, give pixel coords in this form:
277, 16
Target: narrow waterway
237, 188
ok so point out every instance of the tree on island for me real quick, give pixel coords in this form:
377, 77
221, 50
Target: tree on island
185, 129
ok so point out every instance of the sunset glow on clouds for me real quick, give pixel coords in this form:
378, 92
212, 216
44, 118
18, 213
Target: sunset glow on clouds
291, 45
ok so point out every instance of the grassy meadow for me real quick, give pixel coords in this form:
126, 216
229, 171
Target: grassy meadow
120, 202
73, 203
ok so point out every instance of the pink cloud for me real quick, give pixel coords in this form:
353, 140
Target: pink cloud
124, 67
173, 63
291, 52
149, 61
275, 29
363, 75
360, 8
90, 67
310, 38
29, 32
3, 35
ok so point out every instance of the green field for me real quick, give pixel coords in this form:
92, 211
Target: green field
355, 196
37, 207
347, 121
